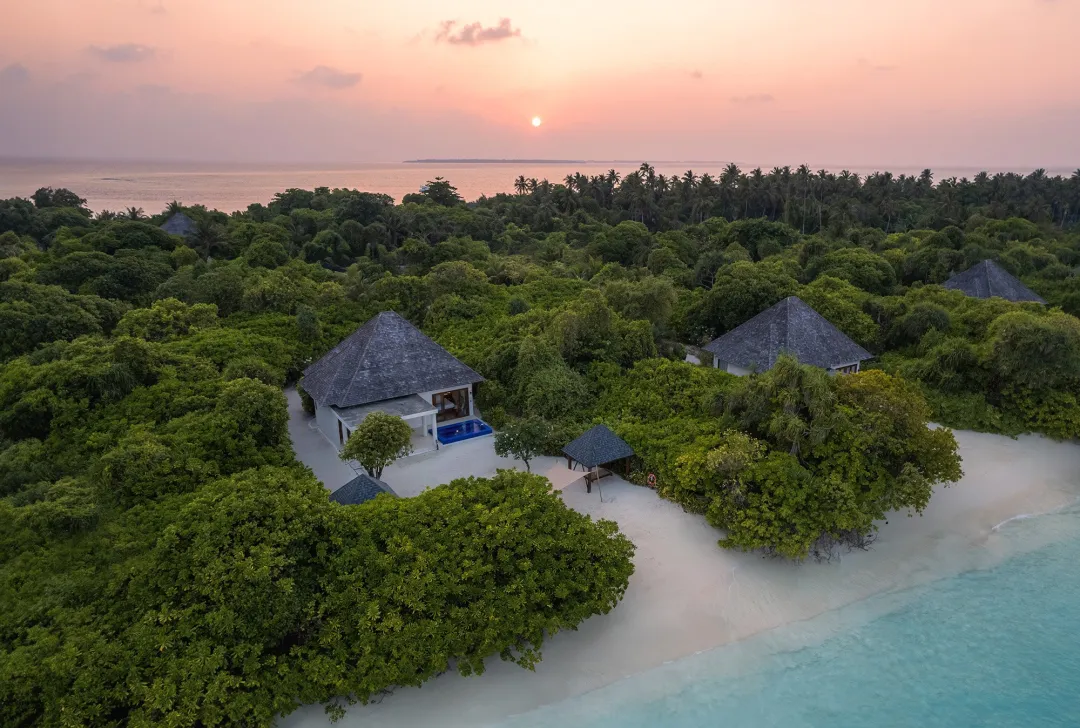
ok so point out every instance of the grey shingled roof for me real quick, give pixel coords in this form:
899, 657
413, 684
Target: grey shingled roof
987, 280
790, 327
597, 447
179, 224
402, 407
359, 490
385, 358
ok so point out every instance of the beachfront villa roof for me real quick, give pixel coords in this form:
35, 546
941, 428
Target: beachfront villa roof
386, 358
359, 490
598, 446
789, 327
179, 224
989, 280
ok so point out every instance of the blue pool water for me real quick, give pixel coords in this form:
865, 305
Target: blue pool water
999, 647
463, 431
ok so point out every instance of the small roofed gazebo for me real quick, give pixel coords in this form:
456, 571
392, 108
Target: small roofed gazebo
596, 448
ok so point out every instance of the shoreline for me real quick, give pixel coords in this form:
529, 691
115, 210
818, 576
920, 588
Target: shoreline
688, 596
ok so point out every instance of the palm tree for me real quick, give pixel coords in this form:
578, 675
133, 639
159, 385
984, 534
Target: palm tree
705, 196
209, 236
173, 207
135, 213
521, 186
729, 182
612, 181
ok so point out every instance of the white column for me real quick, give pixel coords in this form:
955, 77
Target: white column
434, 430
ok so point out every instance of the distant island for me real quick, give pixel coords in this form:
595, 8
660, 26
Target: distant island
555, 161
498, 161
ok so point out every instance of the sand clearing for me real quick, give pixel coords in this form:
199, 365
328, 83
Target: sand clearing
687, 595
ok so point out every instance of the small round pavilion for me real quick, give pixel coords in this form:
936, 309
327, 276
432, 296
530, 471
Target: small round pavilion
595, 449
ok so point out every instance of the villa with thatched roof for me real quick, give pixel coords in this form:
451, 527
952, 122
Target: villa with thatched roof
789, 327
989, 280
388, 365
180, 224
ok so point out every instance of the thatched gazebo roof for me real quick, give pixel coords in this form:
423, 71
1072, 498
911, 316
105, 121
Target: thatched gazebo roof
597, 447
359, 490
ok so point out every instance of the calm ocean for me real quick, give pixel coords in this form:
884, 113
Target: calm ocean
999, 647
151, 186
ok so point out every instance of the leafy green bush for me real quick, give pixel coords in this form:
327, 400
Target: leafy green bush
261, 595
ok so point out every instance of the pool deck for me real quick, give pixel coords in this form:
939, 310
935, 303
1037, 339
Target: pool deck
408, 476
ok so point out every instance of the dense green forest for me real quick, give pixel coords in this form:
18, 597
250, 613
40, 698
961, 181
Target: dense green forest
164, 559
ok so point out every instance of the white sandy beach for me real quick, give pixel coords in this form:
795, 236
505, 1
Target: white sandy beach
688, 595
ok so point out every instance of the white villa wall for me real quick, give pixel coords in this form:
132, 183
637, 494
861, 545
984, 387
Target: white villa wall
841, 369
732, 369
328, 422
742, 371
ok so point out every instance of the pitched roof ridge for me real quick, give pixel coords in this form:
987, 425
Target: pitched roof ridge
376, 322
789, 312
403, 360
990, 268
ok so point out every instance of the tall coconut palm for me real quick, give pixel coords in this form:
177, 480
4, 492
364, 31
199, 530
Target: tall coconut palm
521, 185
135, 213
209, 236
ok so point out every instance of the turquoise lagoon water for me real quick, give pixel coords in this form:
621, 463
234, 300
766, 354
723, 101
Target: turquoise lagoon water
997, 647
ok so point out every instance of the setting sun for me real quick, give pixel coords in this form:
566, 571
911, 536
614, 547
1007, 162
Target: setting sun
537, 121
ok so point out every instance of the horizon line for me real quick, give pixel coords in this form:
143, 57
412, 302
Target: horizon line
317, 165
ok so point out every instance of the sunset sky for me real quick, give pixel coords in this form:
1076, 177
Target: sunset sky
855, 82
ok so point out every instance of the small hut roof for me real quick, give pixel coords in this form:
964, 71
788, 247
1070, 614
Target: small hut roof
792, 327
359, 490
385, 358
597, 447
179, 224
988, 280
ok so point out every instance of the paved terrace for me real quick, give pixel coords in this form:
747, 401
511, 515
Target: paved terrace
409, 476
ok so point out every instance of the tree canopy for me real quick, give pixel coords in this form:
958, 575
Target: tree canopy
164, 558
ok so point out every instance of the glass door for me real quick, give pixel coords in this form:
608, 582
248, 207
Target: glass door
451, 405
